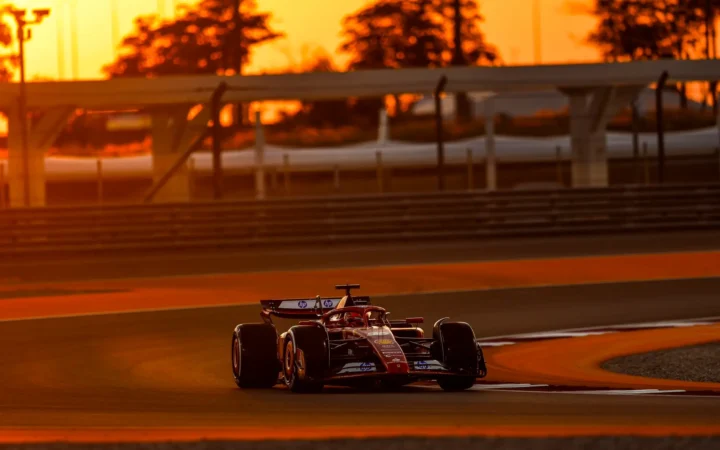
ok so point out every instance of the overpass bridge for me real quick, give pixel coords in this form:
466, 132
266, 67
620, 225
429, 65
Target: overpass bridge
596, 93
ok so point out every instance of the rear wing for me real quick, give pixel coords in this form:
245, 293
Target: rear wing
307, 308
300, 308
310, 308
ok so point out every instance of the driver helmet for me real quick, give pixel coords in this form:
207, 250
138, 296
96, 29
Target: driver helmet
352, 315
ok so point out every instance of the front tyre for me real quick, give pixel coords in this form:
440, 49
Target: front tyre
254, 356
305, 358
456, 347
456, 384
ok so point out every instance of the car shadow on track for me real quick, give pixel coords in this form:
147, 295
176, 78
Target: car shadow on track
415, 389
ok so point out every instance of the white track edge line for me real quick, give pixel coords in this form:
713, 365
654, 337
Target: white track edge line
510, 337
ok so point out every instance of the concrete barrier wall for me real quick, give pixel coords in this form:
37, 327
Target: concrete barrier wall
369, 218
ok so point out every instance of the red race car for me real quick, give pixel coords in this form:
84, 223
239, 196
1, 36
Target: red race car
347, 341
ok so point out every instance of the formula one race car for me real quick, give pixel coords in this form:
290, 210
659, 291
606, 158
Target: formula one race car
347, 341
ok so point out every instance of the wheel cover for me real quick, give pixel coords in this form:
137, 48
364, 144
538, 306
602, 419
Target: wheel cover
236, 356
289, 360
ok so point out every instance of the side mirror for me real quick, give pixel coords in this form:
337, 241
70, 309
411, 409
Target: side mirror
415, 320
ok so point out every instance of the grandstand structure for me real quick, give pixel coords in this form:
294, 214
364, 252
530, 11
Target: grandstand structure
596, 92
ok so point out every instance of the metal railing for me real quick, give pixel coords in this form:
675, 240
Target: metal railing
369, 218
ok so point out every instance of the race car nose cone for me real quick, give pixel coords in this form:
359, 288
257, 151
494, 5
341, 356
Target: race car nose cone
398, 368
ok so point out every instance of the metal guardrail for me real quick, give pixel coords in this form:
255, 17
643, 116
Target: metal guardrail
369, 218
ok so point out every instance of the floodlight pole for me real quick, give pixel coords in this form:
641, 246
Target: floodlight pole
22, 107
22, 23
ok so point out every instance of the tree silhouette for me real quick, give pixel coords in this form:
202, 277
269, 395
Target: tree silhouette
8, 61
651, 29
413, 33
208, 38
468, 43
475, 48
416, 33
394, 34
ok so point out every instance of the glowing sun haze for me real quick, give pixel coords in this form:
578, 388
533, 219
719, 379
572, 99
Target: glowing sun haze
308, 24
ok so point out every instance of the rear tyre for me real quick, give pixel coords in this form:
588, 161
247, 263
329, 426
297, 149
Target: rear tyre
254, 356
305, 359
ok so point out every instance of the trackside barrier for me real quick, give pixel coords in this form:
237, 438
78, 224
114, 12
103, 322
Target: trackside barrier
43, 232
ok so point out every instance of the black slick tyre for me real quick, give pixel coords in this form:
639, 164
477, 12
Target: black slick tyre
254, 356
457, 383
305, 358
459, 353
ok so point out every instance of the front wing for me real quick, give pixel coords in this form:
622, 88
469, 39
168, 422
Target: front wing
417, 369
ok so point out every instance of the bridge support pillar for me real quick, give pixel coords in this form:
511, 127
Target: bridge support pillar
172, 136
591, 109
41, 135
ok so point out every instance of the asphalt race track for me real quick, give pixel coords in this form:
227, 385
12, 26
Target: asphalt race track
171, 368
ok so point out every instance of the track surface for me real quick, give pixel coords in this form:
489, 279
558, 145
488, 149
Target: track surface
171, 368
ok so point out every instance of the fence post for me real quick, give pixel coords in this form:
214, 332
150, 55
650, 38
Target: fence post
637, 165
286, 172
259, 158
660, 114
100, 194
274, 179
470, 175
2, 186
470, 169
439, 133
383, 130
490, 169
635, 132
191, 178
646, 164
559, 166
636, 139
380, 181
336, 177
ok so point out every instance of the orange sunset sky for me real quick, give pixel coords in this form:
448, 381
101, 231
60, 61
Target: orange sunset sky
308, 24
